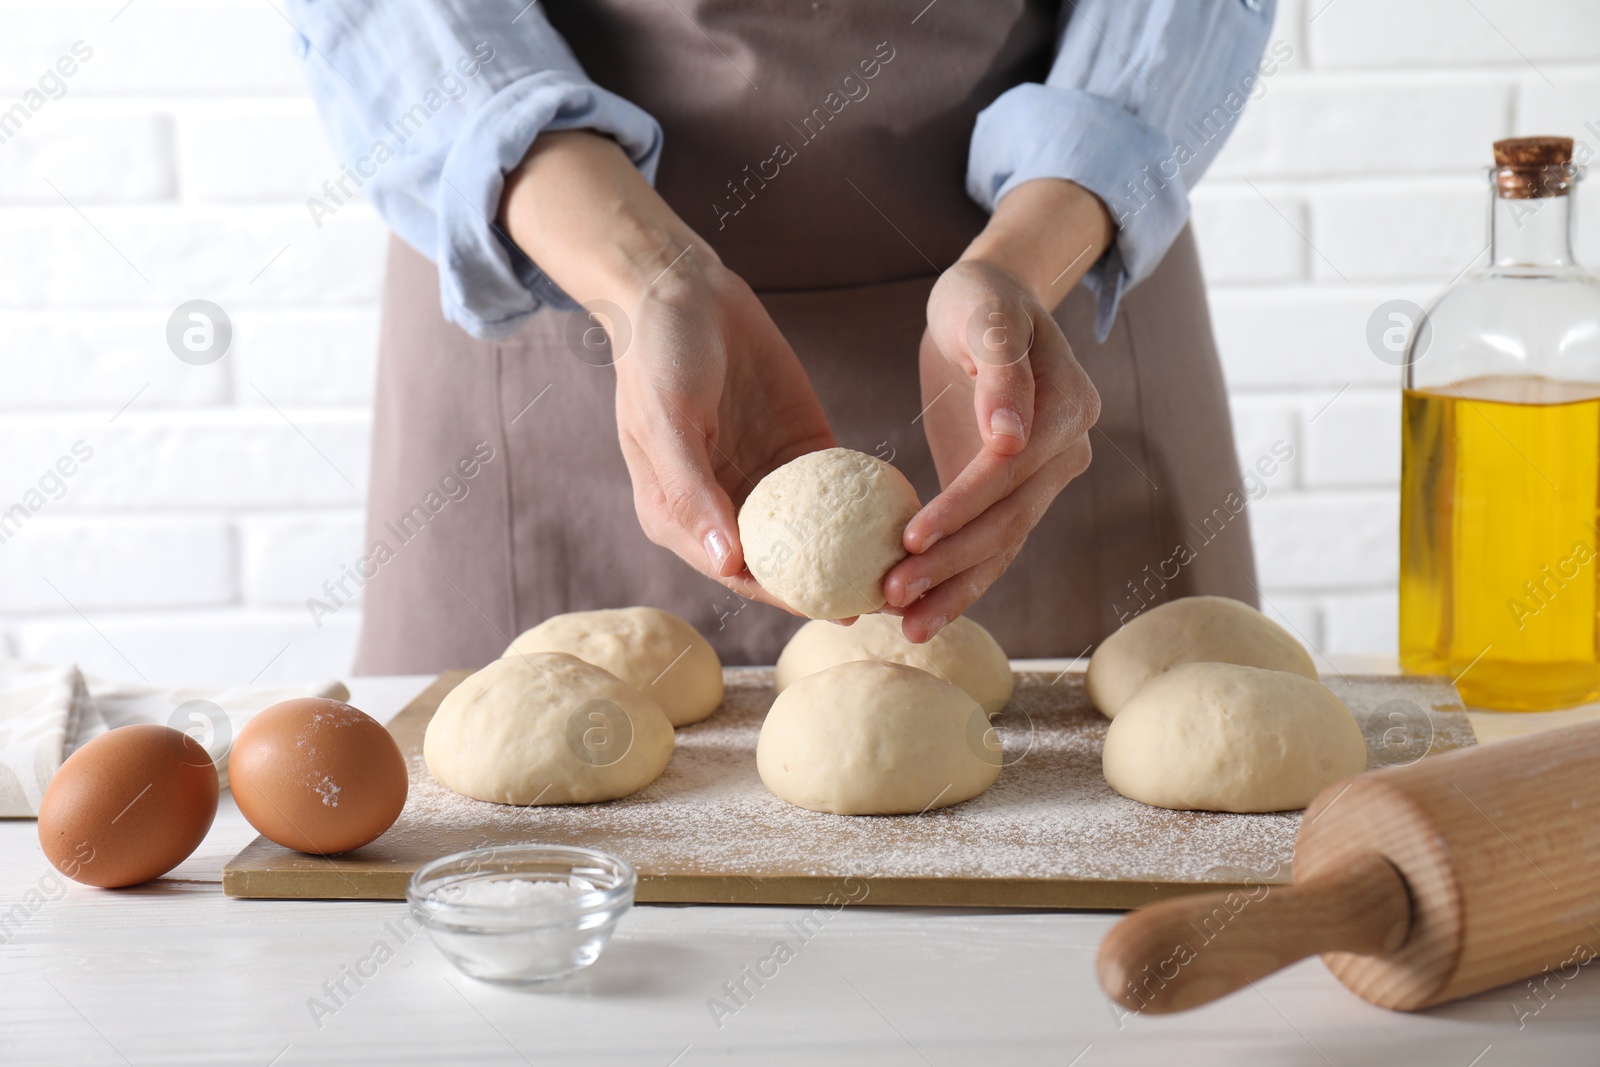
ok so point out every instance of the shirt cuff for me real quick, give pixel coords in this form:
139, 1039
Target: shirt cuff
487, 285
1038, 131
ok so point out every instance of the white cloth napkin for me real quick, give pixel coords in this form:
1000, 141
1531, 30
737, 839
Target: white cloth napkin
48, 712
44, 711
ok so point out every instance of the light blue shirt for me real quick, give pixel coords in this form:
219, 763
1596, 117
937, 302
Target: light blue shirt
431, 102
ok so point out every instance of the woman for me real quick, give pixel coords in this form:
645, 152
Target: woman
791, 226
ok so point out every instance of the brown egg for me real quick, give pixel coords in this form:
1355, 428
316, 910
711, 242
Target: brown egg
317, 775
129, 806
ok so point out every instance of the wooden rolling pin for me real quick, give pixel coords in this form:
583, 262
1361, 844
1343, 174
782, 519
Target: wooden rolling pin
1417, 884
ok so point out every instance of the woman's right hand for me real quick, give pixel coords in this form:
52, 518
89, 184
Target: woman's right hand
710, 397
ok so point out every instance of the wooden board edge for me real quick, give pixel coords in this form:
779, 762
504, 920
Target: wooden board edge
1043, 894
291, 885
246, 875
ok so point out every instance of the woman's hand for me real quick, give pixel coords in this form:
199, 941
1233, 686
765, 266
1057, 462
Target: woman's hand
710, 397
1008, 407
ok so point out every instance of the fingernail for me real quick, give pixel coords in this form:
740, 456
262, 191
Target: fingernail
936, 624
1006, 423
930, 540
915, 590
717, 548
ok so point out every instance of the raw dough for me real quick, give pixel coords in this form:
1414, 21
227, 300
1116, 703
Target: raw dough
874, 738
821, 531
963, 654
1196, 629
546, 728
1220, 737
652, 650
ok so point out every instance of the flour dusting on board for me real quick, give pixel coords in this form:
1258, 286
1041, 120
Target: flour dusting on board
1050, 815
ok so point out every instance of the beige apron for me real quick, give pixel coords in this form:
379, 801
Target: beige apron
837, 196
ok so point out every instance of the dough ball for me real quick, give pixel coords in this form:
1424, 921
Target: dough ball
874, 738
821, 531
963, 654
1196, 629
652, 650
1221, 737
546, 728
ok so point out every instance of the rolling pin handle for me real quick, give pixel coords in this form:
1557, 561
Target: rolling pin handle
1182, 953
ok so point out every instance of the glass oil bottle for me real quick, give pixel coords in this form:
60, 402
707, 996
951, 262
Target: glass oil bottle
1500, 479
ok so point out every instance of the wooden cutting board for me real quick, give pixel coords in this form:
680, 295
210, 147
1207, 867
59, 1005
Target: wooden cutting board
1049, 834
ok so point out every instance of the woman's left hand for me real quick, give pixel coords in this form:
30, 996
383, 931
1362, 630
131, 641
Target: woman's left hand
1007, 407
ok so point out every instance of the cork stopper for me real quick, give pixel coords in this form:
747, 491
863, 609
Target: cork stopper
1530, 167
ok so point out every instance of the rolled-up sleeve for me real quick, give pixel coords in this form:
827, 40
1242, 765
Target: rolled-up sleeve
430, 104
1138, 102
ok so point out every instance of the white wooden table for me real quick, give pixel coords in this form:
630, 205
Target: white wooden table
176, 973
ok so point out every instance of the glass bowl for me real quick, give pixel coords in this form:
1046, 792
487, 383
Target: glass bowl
521, 914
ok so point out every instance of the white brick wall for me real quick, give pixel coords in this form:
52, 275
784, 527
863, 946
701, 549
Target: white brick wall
218, 498
1370, 145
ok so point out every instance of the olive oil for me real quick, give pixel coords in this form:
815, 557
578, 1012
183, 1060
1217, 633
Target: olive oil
1500, 487
1500, 468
